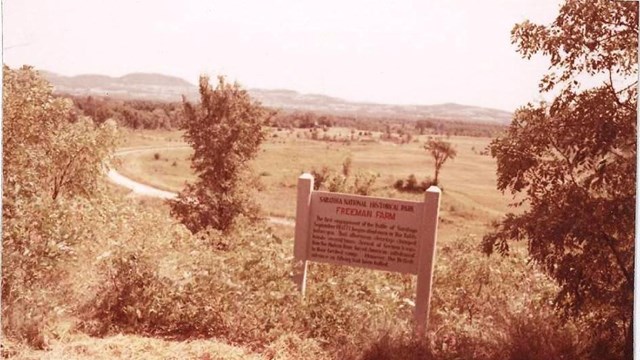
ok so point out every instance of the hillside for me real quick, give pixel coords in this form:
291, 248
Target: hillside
169, 88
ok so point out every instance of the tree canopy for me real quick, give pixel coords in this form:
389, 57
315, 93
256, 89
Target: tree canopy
441, 152
52, 165
573, 162
225, 131
47, 151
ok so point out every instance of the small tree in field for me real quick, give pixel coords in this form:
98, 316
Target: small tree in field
441, 152
574, 161
225, 131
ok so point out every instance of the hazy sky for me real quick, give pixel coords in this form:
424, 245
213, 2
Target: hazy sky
401, 52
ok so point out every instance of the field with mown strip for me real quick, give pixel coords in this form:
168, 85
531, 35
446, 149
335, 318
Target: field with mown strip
470, 199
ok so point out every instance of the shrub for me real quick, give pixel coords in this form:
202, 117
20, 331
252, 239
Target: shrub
427, 183
363, 183
346, 166
244, 295
535, 335
411, 184
320, 177
156, 156
337, 183
399, 185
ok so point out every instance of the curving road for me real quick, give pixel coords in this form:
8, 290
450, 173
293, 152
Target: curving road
146, 190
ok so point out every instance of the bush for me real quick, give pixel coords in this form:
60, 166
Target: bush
363, 183
243, 295
152, 277
337, 183
320, 177
533, 335
156, 156
346, 166
341, 182
427, 183
411, 184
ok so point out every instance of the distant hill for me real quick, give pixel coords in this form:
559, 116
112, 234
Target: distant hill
169, 88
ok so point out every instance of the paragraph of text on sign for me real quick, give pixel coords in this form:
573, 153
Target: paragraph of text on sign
367, 232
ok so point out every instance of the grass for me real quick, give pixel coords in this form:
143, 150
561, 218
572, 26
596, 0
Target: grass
469, 179
82, 347
470, 200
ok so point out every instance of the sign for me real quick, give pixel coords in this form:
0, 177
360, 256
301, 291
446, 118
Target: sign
369, 232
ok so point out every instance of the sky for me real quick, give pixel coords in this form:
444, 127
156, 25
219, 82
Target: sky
396, 52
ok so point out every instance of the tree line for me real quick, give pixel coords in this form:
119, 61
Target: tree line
135, 114
153, 114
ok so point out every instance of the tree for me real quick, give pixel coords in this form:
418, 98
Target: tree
225, 131
45, 149
574, 163
441, 152
52, 164
422, 125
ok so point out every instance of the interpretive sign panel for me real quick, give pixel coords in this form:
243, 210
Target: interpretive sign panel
369, 232
365, 231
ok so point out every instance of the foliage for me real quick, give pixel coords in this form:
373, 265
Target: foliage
225, 131
151, 114
245, 296
360, 183
372, 122
411, 184
337, 183
136, 114
363, 183
52, 161
346, 166
422, 125
574, 160
441, 152
320, 177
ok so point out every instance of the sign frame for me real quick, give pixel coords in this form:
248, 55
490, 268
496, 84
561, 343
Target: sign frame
426, 243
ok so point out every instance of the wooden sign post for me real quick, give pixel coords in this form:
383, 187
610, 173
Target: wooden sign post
375, 233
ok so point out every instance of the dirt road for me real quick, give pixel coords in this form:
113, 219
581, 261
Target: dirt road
146, 190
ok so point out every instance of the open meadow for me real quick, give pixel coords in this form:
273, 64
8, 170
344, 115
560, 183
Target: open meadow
470, 198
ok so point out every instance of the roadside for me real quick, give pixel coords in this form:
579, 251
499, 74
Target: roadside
141, 189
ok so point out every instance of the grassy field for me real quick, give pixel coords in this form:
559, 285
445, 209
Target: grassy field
470, 199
